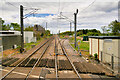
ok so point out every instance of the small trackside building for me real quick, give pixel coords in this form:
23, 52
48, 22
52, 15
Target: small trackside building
107, 49
12, 39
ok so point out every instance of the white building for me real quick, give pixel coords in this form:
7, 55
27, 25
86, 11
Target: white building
107, 48
10, 39
29, 37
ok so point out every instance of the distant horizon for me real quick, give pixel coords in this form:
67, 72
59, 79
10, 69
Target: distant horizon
72, 29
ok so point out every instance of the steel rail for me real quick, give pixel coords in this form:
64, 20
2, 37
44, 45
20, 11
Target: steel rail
23, 60
63, 49
56, 67
28, 62
42, 68
37, 61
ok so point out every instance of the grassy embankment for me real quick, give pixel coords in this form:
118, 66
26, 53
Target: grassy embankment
84, 46
29, 45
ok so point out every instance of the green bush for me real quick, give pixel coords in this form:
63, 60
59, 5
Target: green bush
90, 56
18, 47
95, 55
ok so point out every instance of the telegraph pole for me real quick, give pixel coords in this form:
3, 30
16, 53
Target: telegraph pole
46, 25
22, 27
70, 26
119, 11
75, 22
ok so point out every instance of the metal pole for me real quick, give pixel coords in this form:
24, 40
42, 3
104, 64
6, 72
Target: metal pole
59, 33
22, 27
46, 25
75, 24
1, 24
70, 26
112, 61
75, 15
101, 56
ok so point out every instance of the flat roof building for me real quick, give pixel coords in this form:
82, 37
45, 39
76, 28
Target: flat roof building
107, 49
9, 39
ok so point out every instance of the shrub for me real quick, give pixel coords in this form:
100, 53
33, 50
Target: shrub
90, 56
95, 55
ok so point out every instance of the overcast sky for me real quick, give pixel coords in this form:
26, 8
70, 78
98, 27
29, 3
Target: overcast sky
92, 13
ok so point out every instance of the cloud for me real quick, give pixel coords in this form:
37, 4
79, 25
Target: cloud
98, 14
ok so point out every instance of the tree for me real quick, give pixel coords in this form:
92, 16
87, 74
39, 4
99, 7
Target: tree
42, 34
47, 32
67, 33
114, 26
79, 33
16, 26
3, 22
29, 28
103, 29
3, 26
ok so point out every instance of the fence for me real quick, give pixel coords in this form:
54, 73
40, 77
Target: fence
111, 61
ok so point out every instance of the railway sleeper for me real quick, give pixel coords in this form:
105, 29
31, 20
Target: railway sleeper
31, 63
8, 63
23, 63
43, 73
64, 65
11, 62
51, 63
87, 68
17, 62
92, 69
80, 67
4, 60
43, 62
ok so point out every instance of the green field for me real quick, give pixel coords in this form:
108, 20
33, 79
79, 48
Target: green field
82, 46
29, 45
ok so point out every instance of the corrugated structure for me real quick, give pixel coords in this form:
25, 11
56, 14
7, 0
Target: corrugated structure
9, 39
108, 50
12, 39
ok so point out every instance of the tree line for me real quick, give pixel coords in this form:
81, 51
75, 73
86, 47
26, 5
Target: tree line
113, 29
14, 26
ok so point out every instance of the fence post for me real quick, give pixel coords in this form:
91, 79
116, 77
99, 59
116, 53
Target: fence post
101, 56
112, 63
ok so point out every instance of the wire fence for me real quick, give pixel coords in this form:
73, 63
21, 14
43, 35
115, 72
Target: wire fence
111, 60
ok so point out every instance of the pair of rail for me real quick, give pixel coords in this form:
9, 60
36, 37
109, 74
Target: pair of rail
65, 53
32, 53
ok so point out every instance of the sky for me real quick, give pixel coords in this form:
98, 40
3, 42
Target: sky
92, 14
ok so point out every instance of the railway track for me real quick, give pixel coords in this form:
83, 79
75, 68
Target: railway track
56, 64
52, 62
45, 45
79, 76
65, 54
46, 63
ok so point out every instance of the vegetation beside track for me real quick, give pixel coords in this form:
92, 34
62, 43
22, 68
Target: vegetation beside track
83, 45
27, 46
